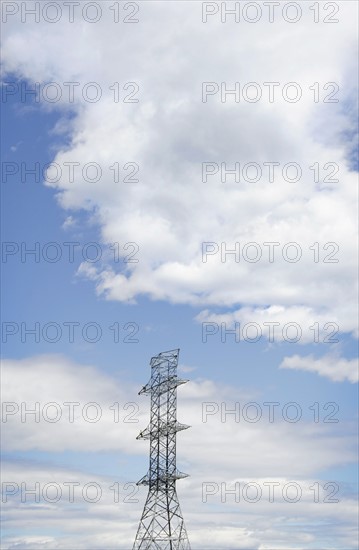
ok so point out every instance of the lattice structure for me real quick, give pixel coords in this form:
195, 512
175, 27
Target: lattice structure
162, 526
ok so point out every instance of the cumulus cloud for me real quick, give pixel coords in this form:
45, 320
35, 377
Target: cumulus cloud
170, 212
296, 324
69, 413
335, 368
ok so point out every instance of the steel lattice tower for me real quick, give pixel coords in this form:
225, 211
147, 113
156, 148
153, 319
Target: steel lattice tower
162, 526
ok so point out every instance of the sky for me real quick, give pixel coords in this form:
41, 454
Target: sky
180, 174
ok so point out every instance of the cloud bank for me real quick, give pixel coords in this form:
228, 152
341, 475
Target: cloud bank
171, 131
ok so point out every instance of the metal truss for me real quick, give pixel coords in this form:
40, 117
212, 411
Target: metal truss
161, 525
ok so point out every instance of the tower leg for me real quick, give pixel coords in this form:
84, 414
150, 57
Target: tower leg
162, 526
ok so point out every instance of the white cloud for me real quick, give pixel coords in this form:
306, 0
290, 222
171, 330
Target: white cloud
333, 367
170, 132
186, 368
215, 521
276, 323
69, 222
203, 404
73, 521
53, 381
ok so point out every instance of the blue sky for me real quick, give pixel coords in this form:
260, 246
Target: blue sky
170, 292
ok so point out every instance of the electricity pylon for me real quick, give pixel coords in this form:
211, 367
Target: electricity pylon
161, 525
